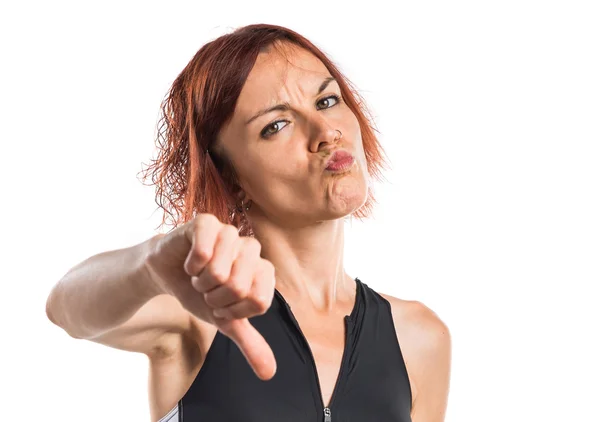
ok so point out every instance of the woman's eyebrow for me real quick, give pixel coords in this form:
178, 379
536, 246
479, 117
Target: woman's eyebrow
286, 105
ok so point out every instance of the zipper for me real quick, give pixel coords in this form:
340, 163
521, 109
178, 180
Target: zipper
342, 366
326, 409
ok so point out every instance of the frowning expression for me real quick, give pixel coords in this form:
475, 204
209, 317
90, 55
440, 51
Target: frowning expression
284, 130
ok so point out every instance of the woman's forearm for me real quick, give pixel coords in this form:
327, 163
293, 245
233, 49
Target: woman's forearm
102, 292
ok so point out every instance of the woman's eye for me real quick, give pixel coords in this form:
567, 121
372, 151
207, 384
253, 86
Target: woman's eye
327, 101
273, 128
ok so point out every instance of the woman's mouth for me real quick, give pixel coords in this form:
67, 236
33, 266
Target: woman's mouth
340, 161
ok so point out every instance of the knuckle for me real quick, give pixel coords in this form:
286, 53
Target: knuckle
229, 230
238, 288
252, 244
202, 252
219, 273
267, 266
261, 303
198, 223
205, 219
262, 307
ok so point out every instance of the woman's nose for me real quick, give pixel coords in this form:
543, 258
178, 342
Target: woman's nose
323, 136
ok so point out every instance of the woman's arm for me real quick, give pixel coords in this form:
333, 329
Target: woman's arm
426, 348
111, 299
149, 297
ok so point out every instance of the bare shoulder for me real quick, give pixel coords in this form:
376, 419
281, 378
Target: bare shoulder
414, 319
426, 347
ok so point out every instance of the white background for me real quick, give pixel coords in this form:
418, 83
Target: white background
490, 116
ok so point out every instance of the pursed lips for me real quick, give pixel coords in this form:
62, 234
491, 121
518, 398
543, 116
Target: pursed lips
339, 159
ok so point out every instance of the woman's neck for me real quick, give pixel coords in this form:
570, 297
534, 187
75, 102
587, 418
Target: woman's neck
308, 263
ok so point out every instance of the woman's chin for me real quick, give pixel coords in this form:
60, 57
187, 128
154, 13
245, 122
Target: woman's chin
347, 203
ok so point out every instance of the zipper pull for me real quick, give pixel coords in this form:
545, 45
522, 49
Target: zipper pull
327, 412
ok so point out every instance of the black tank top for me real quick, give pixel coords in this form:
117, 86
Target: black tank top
372, 384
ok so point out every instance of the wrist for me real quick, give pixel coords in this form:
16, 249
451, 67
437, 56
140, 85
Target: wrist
148, 281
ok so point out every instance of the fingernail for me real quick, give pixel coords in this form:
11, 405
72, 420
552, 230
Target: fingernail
219, 313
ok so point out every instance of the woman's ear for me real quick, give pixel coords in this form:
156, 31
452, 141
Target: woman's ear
240, 194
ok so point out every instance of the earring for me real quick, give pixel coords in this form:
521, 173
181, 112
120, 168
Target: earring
241, 208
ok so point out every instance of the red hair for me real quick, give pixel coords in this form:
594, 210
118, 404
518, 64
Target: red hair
188, 179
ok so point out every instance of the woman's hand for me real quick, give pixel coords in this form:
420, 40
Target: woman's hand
221, 278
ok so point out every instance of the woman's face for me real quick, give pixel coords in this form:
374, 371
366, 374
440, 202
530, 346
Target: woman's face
280, 156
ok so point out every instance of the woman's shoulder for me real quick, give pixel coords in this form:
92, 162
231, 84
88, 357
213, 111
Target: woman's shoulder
425, 342
418, 325
415, 315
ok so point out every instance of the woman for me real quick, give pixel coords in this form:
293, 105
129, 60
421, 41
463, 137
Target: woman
244, 309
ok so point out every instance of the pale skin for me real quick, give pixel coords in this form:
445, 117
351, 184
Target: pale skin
169, 287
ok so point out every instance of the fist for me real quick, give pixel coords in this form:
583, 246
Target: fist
229, 271
221, 278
